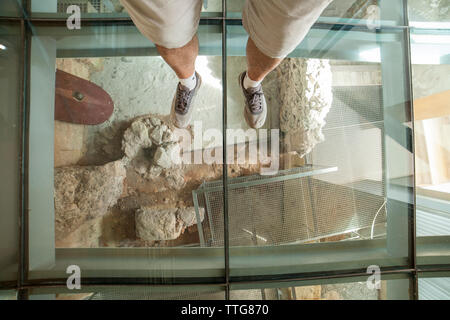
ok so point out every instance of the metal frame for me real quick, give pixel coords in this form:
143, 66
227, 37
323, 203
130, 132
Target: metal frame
224, 153
414, 284
428, 266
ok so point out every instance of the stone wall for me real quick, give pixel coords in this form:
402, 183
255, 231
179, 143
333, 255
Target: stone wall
306, 97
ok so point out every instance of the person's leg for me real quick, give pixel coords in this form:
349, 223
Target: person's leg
181, 60
275, 29
259, 64
172, 27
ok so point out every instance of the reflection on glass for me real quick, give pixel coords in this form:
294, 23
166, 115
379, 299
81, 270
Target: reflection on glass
10, 127
133, 293
101, 8
428, 11
350, 9
330, 113
370, 12
107, 178
124, 158
434, 288
8, 295
431, 88
383, 290
11, 8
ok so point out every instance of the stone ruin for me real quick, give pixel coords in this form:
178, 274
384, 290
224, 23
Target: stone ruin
306, 97
85, 193
150, 147
164, 224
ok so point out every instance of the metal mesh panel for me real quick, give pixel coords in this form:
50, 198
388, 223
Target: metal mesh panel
143, 293
342, 192
133, 293
354, 143
255, 294
355, 106
96, 5
294, 210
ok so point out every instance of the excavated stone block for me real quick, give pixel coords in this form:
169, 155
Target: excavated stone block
162, 158
154, 224
188, 216
157, 224
84, 193
69, 143
175, 179
135, 139
157, 135
308, 292
152, 149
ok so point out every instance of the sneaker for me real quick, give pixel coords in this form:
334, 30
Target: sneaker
255, 110
182, 104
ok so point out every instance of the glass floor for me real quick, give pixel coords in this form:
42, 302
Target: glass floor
349, 177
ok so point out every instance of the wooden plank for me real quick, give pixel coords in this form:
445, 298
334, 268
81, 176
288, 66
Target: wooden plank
433, 106
80, 101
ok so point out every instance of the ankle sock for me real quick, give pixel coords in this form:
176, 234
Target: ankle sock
189, 82
249, 83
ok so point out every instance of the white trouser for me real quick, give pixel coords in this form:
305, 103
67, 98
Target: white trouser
276, 26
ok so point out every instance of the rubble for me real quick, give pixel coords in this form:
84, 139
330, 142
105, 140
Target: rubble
157, 224
157, 134
135, 139
153, 224
150, 147
162, 158
188, 216
431, 10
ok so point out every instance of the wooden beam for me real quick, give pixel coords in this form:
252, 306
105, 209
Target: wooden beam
433, 106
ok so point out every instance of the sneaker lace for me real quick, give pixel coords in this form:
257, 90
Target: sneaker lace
255, 100
182, 101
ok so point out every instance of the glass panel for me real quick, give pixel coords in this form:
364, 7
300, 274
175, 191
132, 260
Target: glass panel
102, 8
434, 288
331, 188
11, 8
429, 13
369, 12
112, 154
130, 293
342, 289
430, 52
345, 162
10, 147
431, 88
8, 295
